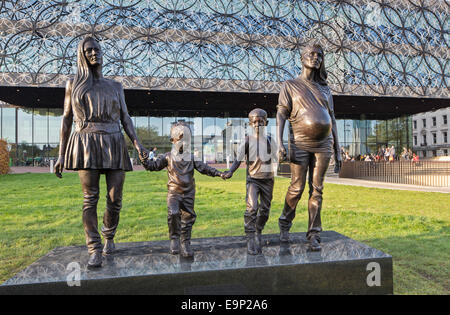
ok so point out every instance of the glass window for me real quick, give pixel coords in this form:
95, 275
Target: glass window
167, 123
53, 150
40, 125
272, 128
141, 124
209, 133
39, 154
348, 131
340, 129
188, 121
409, 133
424, 122
444, 119
404, 132
208, 128
381, 131
393, 134
371, 131
54, 124
444, 136
372, 148
415, 124
235, 132
221, 124
434, 137
354, 148
197, 133
433, 119
25, 125
9, 124
358, 130
164, 144
346, 147
25, 154
156, 125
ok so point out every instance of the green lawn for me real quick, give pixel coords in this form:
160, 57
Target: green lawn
39, 212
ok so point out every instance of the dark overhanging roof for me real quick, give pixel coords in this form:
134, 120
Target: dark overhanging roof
195, 103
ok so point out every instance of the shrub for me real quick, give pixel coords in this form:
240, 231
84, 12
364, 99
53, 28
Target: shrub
4, 157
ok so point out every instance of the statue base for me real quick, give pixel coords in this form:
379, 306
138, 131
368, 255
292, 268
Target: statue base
220, 266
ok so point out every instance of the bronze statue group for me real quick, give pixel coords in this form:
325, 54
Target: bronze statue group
97, 146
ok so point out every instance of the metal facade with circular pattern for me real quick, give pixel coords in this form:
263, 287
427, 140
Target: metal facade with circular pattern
373, 48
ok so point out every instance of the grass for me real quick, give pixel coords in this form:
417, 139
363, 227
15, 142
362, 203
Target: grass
39, 212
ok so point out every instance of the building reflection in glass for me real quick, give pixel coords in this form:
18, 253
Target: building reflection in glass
33, 134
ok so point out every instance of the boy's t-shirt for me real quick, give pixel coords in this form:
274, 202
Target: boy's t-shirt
259, 155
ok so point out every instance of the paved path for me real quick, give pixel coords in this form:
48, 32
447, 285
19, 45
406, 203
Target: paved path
374, 184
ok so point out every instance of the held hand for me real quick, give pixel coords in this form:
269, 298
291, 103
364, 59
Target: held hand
221, 174
281, 153
143, 153
226, 175
144, 161
59, 166
337, 165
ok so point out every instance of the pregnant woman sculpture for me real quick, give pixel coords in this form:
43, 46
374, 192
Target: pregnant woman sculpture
308, 105
97, 146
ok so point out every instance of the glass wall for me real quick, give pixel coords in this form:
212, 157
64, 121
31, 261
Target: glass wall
33, 135
364, 136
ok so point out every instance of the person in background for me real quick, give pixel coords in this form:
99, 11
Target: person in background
415, 158
151, 155
404, 155
392, 154
410, 154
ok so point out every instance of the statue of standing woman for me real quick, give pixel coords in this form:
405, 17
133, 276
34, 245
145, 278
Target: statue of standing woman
97, 146
308, 105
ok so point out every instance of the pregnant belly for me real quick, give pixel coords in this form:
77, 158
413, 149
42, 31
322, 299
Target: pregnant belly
314, 126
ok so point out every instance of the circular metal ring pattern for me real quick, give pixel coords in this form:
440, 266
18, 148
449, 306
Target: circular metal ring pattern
373, 47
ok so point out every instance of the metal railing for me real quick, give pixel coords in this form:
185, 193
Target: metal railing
423, 173
284, 169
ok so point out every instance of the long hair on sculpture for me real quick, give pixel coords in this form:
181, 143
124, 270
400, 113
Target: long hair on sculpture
320, 76
83, 79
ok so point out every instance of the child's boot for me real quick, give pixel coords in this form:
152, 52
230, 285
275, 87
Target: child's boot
186, 250
251, 246
175, 246
258, 242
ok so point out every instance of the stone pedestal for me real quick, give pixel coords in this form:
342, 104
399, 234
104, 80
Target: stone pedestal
220, 266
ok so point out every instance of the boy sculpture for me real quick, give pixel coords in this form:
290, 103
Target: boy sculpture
259, 154
181, 186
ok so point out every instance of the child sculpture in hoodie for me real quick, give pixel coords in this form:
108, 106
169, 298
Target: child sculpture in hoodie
180, 166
